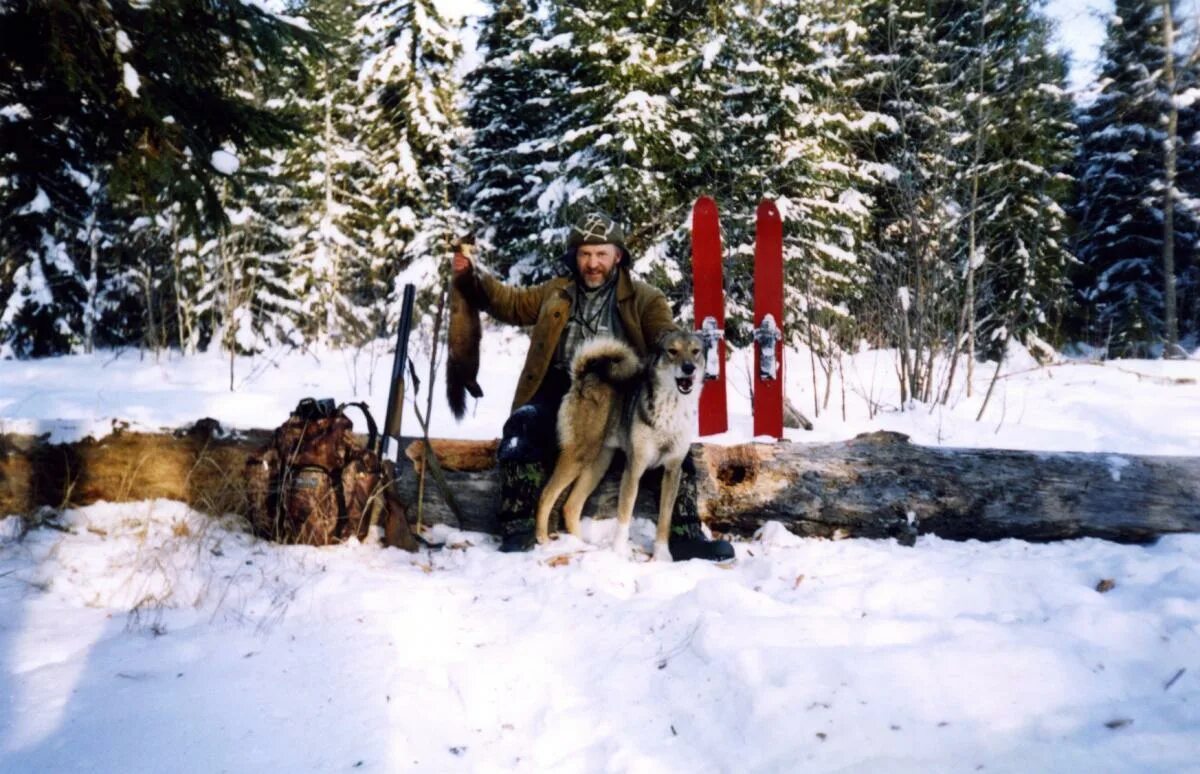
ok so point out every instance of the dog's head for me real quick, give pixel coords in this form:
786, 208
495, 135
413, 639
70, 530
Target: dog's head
681, 356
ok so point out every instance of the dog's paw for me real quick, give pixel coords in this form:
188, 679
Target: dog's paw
622, 548
620, 543
542, 538
662, 553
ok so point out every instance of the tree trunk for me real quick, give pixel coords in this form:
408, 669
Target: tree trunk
876, 486
973, 261
1171, 347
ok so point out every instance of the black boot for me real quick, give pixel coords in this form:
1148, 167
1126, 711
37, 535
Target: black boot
687, 540
517, 542
525, 445
685, 547
520, 486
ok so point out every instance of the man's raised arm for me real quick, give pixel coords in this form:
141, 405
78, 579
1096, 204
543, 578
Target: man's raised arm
516, 306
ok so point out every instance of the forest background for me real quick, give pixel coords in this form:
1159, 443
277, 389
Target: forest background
191, 174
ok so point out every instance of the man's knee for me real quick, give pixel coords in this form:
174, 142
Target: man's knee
529, 435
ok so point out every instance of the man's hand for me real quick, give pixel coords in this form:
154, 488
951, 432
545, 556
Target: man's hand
462, 252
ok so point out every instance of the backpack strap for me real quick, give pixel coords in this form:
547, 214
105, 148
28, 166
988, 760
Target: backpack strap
372, 428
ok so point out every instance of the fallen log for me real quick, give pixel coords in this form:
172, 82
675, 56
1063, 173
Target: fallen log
199, 466
875, 486
881, 486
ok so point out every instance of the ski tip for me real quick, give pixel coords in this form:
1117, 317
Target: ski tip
767, 209
705, 204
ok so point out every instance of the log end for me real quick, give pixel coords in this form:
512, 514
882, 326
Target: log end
456, 455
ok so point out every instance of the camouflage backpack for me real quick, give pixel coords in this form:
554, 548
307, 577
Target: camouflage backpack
313, 483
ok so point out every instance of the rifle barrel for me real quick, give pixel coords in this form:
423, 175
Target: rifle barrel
395, 409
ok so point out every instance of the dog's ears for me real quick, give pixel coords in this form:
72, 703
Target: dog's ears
660, 346
660, 343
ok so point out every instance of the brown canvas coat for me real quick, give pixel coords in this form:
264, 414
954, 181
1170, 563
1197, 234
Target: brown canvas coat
643, 309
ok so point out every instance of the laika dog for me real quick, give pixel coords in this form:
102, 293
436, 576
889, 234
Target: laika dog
647, 410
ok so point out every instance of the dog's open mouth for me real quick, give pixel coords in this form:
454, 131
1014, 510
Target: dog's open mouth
684, 384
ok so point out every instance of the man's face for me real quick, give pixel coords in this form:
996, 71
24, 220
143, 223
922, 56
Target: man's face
596, 263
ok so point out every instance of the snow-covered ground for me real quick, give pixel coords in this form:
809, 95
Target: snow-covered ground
148, 637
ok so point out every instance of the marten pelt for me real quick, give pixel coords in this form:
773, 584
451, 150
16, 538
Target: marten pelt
462, 366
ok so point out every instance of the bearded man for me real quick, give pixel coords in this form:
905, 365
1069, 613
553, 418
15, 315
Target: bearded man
598, 298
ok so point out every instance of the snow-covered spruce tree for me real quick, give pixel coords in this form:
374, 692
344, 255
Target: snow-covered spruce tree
204, 283
969, 223
139, 96
616, 142
644, 108
788, 126
1014, 156
259, 307
906, 76
1187, 199
1180, 227
1121, 165
598, 105
331, 213
51, 209
720, 155
413, 132
227, 274
189, 280
236, 283
512, 113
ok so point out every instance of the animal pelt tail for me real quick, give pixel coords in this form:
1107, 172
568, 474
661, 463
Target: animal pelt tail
611, 361
462, 366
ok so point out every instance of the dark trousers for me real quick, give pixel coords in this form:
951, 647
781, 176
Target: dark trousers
528, 449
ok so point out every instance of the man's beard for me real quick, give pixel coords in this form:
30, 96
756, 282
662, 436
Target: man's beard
595, 282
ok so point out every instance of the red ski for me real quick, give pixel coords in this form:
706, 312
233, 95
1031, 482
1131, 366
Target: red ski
768, 321
710, 313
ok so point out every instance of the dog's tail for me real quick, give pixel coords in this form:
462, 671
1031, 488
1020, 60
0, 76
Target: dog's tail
611, 361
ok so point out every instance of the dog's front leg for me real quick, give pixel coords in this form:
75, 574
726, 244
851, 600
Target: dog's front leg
628, 494
672, 473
